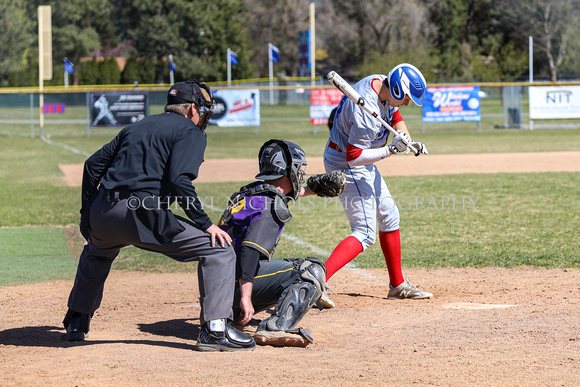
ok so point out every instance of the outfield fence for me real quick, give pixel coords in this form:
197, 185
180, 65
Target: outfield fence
503, 106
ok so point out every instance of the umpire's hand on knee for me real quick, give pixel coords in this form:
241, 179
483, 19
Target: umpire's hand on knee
216, 232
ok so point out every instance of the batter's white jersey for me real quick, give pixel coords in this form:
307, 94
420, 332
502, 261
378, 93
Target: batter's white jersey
366, 197
353, 125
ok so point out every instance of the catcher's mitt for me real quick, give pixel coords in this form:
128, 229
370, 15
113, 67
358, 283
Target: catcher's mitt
329, 184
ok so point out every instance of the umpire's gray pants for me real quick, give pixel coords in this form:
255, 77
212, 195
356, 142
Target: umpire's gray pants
113, 227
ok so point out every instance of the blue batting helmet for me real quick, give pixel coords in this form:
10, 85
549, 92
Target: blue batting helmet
406, 79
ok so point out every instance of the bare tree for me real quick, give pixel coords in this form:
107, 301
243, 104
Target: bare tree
550, 23
346, 30
355, 30
277, 22
384, 25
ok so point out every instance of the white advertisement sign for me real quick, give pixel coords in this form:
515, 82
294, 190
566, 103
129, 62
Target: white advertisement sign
236, 108
554, 102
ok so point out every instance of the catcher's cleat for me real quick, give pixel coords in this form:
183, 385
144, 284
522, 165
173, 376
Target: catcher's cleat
77, 326
292, 338
250, 328
228, 340
407, 290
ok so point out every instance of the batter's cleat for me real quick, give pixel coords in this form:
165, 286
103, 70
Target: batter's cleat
408, 290
228, 340
326, 302
77, 326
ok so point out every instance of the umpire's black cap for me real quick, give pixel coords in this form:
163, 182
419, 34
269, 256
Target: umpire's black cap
190, 91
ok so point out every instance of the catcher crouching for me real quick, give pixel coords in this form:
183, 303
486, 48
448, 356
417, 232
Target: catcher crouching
255, 218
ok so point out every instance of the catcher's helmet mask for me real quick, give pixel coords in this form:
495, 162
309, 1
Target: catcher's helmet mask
405, 79
192, 91
279, 158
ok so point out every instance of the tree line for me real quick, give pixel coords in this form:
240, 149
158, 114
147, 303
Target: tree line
449, 40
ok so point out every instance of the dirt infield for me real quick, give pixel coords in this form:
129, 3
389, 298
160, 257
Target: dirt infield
225, 170
491, 326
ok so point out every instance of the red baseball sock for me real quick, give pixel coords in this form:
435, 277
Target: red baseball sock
391, 246
345, 252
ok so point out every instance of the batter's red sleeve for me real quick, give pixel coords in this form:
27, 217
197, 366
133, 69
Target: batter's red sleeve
397, 117
352, 152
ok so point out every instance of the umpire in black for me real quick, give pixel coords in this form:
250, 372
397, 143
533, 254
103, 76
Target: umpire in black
127, 190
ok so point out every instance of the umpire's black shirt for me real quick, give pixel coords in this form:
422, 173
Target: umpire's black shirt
158, 156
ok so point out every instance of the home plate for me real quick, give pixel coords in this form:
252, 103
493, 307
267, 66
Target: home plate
469, 305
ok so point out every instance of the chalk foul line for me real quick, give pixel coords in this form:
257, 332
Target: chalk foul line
67, 147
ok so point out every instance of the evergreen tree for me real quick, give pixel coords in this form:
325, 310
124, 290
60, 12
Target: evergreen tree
130, 73
88, 72
109, 71
79, 28
17, 39
197, 33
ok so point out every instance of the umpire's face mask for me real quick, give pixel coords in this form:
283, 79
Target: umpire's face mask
206, 107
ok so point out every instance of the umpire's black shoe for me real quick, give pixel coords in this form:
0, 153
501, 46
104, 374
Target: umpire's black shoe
229, 340
77, 325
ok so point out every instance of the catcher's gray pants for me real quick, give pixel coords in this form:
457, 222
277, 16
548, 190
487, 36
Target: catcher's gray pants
113, 227
272, 279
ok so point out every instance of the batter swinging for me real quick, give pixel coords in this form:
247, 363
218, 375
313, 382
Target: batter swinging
357, 141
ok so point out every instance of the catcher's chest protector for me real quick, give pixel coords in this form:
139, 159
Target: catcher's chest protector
237, 201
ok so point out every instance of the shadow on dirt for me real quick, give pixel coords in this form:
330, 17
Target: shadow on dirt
54, 336
41, 336
363, 295
180, 328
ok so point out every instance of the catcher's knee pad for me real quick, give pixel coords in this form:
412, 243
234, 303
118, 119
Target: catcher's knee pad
313, 270
293, 304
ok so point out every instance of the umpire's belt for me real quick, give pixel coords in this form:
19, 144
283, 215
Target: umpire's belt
332, 145
115, 196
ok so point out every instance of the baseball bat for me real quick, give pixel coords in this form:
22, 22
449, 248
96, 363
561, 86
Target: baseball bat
355, 97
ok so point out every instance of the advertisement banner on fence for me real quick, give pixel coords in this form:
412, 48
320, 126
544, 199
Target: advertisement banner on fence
236, 108
322, 101
450, 104
109, 109
554, 102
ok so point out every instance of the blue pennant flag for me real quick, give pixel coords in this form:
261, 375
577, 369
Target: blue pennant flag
68, 66
233, 58
171, 64
275, 53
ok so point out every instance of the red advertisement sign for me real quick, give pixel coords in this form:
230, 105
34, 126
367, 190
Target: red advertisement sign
322, 101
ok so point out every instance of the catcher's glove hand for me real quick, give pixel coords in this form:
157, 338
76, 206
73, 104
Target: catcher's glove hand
329, 184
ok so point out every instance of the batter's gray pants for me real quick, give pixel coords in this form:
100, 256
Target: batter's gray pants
113, 227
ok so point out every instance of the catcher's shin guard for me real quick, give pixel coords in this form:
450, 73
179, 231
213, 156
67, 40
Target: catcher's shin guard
293, 304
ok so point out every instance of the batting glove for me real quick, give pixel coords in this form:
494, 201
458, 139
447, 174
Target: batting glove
421, 148
398, 144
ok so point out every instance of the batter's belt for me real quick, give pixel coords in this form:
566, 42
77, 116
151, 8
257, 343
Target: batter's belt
332, 145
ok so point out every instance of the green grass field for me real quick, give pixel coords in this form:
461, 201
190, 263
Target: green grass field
518, 219
34, 254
